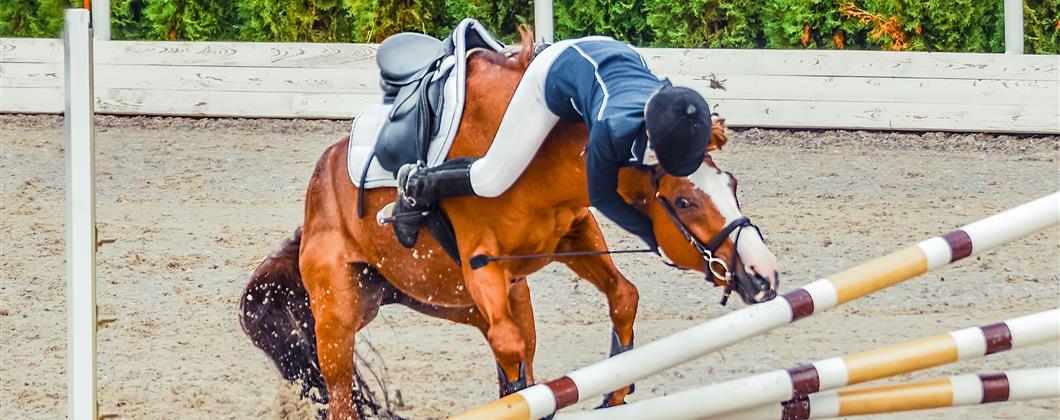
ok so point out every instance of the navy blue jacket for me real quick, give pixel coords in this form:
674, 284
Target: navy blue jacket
605, 83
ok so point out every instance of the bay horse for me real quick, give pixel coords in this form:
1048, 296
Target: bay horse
304, 304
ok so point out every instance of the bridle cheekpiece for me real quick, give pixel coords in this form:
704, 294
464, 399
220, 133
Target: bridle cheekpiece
706, 252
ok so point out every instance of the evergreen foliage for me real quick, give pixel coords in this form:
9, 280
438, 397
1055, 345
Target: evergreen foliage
1041, 26
501, 17
622, 19
377, 19
290, 20
127, 20
917, 25
32, 18
192, 20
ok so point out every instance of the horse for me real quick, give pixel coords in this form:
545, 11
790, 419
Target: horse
305, 303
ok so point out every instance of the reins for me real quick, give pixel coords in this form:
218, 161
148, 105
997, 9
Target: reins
481, 260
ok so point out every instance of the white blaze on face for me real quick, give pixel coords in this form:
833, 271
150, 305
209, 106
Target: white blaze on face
755, 255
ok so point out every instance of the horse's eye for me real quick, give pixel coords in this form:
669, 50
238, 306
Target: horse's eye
683, 203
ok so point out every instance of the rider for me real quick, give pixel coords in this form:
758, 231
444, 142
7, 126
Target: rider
631, 115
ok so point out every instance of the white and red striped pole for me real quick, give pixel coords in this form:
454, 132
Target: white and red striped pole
955, 391
787, 384
619, 371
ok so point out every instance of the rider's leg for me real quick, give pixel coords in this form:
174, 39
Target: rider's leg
524, 127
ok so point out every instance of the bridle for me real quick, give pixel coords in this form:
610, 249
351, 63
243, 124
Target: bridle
706, 252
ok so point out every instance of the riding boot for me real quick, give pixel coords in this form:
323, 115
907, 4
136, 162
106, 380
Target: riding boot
425, 186
418, 188
406, 220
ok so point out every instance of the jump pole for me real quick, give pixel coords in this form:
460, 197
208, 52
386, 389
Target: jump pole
955, 391
619, 371
799, 382
79, 130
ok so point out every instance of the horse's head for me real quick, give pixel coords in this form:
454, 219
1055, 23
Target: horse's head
699, 226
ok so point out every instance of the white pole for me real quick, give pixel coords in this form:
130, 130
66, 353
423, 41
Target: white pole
784, 384
616, 372
1013, 26
543, 20
101, 19
80, 218
955, 391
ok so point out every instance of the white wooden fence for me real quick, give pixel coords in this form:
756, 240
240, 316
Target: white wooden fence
762, 88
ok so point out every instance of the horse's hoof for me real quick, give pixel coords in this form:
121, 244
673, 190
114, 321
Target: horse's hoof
508, 388
607, 398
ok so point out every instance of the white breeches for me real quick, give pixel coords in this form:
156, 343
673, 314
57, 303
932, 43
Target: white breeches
524, 127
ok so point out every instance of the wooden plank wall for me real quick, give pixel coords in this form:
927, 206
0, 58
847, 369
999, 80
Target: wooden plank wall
762, 88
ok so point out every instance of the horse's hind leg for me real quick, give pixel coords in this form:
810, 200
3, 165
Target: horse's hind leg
335, 300
622, 296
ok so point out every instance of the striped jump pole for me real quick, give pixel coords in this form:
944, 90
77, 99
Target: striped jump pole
619, 371
955, 391
786, 384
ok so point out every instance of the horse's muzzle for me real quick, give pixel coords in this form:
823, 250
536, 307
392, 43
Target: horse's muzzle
752, 287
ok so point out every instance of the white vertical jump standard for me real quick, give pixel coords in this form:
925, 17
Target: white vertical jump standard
101, 20
614, 373
543, 17
80, 218
1013, 26
955, 391
795, 383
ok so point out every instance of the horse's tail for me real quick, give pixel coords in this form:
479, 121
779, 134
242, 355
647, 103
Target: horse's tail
275, 314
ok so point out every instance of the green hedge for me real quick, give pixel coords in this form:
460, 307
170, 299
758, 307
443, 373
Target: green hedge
919, 25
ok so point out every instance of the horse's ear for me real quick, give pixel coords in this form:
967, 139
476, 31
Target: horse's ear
641, 205
634, 185
718, 138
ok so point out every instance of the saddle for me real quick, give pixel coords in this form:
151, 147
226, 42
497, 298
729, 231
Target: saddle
414, 73
413, 70
411, 79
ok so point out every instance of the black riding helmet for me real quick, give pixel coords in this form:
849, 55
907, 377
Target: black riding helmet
679, 127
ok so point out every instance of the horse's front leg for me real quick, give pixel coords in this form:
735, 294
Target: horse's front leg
489, 288
622, 296
523, 312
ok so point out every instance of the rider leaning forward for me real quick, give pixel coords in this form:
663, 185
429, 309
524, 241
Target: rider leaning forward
631, 115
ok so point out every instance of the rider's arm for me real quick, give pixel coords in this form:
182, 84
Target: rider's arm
602, 173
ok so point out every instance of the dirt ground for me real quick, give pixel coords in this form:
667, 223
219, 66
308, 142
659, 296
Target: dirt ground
196, 204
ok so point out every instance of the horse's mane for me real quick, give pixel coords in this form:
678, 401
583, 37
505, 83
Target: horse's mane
515, 57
